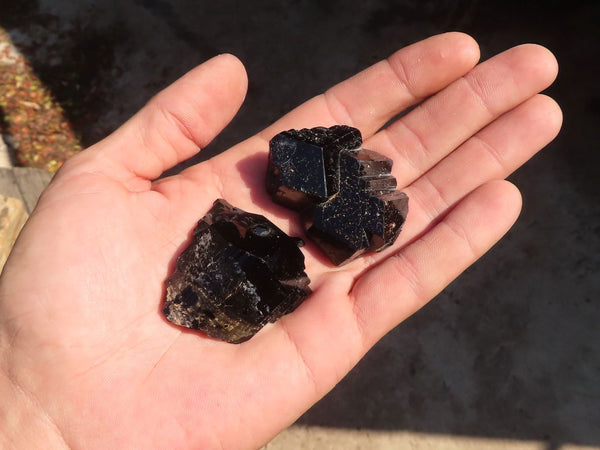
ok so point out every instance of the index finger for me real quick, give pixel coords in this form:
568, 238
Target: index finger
372, 97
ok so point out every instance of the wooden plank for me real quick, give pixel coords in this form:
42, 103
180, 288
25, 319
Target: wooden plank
20, 188
8, 184
31, 183
5, 154
12, 219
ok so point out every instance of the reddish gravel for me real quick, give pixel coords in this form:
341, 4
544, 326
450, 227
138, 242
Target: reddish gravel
33, 123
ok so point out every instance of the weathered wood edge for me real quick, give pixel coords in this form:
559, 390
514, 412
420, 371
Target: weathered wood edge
12, 218
32, 183
20, 188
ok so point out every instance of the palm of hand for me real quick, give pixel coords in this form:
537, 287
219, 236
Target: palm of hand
86, 337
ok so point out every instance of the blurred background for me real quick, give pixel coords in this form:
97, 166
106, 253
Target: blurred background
510, 352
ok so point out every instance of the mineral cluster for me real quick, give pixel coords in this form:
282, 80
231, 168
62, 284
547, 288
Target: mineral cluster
346, 195
239, 273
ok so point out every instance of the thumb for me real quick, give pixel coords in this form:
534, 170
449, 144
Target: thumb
172, 126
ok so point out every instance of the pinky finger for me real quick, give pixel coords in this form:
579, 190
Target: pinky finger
399, 286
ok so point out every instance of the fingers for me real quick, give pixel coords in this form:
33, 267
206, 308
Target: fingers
367, 101
331, 332
493, 153
371, 98
417, 141
392, 291
175, 124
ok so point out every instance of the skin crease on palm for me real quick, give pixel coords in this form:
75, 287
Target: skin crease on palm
86, 358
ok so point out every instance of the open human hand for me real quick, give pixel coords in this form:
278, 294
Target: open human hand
86, 358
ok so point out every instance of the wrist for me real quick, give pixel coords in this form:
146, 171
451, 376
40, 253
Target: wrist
23, 423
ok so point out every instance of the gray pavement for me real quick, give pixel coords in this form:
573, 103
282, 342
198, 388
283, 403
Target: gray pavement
510, 352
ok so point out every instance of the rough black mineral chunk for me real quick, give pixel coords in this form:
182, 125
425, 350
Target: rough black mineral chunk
239, 273
345, 194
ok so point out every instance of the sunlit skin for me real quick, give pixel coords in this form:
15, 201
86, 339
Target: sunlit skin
86, 358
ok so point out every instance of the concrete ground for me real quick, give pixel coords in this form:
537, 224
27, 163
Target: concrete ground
508, 356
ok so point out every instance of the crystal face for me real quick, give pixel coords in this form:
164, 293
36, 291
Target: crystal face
239, 273
304, 164
345, 194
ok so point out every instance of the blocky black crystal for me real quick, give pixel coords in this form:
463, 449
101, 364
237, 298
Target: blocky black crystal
239, 273
303, 164
345, 194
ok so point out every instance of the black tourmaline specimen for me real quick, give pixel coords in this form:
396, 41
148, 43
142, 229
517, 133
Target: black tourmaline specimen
239, 273
345, 194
